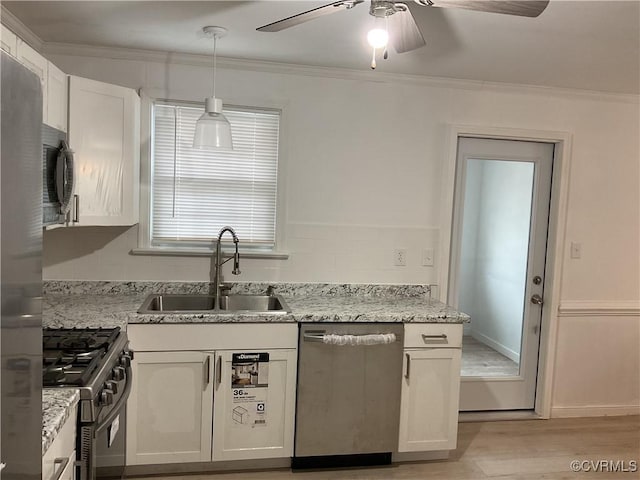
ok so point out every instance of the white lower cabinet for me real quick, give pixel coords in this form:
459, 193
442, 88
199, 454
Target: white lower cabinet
430, 388
170, 408
260, 427
58, 461
184, 406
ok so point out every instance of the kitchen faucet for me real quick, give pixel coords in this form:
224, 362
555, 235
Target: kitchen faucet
217, 263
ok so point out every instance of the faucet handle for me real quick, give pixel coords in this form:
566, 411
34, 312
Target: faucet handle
225, 289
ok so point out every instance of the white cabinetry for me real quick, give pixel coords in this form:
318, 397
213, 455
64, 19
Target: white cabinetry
53, 80
38, 65
430, 387
9, 41
58, 461
104, 132
237, 438
181, 407
171, 408
57, 98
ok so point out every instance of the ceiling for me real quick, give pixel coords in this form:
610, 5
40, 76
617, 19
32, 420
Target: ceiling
593, 45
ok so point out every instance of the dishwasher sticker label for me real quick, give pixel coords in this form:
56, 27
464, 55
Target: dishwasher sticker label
249, 388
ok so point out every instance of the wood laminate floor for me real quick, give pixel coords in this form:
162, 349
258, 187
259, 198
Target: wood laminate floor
508, 450
479, 359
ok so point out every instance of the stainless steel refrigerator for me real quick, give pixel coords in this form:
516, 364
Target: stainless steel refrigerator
20, 271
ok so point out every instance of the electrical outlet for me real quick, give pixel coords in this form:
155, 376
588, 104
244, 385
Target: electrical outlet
427, 257
400, 257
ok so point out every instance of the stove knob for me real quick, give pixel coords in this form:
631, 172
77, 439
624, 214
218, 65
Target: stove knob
125, 360
118, 374
111, 385
106, 397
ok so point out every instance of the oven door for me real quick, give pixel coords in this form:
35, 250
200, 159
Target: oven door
110, 448
102, 444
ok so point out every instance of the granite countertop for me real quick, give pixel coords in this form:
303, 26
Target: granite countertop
57, 404
82, 310
115, 304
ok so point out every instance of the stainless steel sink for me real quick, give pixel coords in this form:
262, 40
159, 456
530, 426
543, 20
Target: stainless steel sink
185, 303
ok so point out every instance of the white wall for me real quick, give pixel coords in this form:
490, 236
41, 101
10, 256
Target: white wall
495, 240
363, 166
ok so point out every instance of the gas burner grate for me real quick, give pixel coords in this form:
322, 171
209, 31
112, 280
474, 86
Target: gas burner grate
79, 340
72, 355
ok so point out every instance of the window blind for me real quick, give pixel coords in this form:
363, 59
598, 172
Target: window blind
197, 192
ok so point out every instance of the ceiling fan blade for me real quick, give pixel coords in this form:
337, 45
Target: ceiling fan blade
309, 15
526, 8
405, 34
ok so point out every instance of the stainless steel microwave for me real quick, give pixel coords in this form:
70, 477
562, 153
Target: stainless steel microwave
57, 176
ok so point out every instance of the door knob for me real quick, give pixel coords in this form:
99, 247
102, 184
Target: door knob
536, 299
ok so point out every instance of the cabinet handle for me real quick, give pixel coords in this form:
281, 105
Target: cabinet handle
63, 462
207, 373
218, 371
408, 372
442, 337
76, 209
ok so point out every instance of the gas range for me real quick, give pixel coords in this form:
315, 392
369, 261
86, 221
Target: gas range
97, 361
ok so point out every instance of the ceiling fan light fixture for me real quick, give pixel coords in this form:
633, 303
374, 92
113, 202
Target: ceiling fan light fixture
213, 130
378, 37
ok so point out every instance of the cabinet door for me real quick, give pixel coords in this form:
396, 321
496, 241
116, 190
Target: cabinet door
430, 397
58, 461
104, 133
254, 421
9, 41
57, 97
38, 65
169, 410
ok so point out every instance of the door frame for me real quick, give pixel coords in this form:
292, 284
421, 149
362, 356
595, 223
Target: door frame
556, 243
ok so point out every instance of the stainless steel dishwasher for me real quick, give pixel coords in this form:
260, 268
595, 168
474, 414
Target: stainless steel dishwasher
348, 399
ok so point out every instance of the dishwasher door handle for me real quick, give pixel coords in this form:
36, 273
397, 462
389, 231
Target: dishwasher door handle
351, 340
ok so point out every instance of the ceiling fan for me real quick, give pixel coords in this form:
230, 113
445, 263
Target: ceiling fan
398, 19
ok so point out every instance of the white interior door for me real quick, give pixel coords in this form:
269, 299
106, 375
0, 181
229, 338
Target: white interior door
501, 216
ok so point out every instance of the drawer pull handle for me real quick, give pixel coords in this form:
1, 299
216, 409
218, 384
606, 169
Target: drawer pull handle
63, 462
441, 338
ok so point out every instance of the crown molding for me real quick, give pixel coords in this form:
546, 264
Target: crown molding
12, 22
118, 53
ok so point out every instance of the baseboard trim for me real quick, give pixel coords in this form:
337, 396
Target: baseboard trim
420, 456
209, 467
497, 346
498, 416
595, 411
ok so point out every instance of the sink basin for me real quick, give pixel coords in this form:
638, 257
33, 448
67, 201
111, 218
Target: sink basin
185, 303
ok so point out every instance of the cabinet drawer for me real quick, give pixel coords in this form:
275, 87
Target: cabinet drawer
432, 335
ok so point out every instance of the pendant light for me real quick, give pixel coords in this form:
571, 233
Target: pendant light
213, 129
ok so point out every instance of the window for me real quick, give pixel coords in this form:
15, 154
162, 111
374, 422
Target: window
194, 193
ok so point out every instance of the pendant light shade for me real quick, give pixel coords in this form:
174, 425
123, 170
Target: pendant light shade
213, 130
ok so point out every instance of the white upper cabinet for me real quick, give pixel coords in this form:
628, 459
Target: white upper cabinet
9, 41
58, 98
38, 65
104, 133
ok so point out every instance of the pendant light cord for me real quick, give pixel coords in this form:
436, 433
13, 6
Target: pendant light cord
215, 38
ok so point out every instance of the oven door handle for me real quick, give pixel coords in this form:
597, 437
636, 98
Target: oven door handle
118, 407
